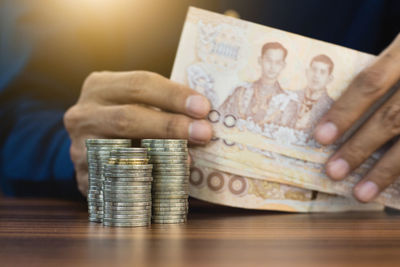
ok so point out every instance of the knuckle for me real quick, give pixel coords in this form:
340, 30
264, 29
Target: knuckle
390, 118
370, 81
77, 153
174, 126
94, 79
383, 176
354, 153
139, 79
71, 118
90, 79
121, 119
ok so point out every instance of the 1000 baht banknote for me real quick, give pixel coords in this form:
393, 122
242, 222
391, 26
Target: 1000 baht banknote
267, 87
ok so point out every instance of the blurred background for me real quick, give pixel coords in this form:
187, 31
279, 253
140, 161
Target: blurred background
48, 47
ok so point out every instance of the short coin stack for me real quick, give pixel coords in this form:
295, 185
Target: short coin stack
170, 187
98, 152
127, 188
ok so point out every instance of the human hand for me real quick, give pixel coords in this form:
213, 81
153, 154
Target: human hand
133, 105
382, 126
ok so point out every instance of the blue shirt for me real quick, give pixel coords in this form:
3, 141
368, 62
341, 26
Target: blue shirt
47, 48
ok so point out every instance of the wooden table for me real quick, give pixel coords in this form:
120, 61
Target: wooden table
35, 232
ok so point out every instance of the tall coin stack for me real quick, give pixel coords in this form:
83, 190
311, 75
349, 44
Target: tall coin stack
170, 187
98, 152
127, 188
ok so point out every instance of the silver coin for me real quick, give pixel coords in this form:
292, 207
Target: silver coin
160, 146
102, 142
132, 188
170, 186
178, 165
128, 194
127, 219
126, 174
133, 183
169, 209
155, 150
163, 204
163, 153
168, 221
161, 183
167, 197
126, 200
131, 157
168, 169
170, 189
157, 163
162, 159
130, 204
127, 150
169, 202
169, 194
126, 216
169, 217
118, 214
170, 182
118, 224
171, 177
135, 179
111, 167
108, 192
170, 173
159, 191
143, 220
164, 141
127, 209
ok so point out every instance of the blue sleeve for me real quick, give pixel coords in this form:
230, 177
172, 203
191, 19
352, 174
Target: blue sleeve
34, 145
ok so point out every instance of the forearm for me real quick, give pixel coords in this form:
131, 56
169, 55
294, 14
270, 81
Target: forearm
34, 150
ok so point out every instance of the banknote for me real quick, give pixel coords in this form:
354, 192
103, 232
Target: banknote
278, 168
230, 189
267, 87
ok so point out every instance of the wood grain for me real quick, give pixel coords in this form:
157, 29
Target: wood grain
46, 232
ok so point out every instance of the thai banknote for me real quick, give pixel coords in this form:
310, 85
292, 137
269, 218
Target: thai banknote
267, 87
274, 167
230, 189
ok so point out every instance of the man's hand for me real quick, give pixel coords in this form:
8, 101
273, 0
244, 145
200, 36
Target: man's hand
384, 125
133, 105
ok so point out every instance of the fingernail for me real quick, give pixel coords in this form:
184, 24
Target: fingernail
366, 191
197, 105
337, 169
200, 132
326, 133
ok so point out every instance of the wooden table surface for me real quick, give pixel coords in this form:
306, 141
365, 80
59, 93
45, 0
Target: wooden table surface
46, 232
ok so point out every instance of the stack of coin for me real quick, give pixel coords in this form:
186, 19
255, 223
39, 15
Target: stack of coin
127, 188
98, 152
170, 187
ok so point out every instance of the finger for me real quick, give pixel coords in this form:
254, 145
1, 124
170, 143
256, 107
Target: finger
146, 88
366, 88
380, 128
82, 180
134, 121
384, 173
